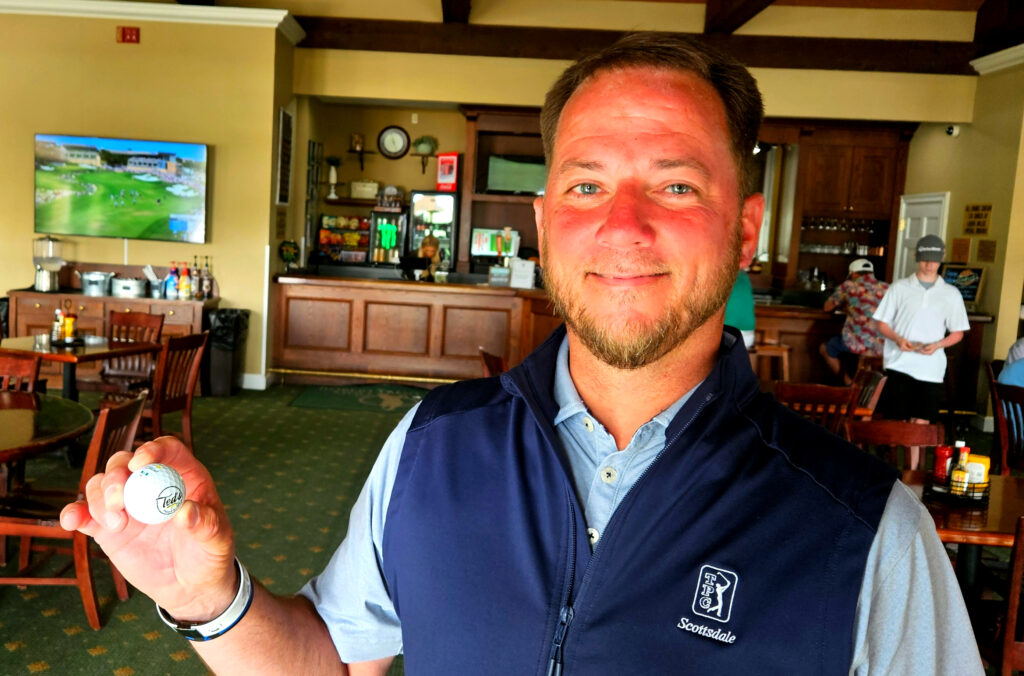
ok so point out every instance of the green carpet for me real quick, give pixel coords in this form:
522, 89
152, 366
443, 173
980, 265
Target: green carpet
369, 397
288, 476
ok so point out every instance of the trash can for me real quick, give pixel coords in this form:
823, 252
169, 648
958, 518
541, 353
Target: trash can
229, 329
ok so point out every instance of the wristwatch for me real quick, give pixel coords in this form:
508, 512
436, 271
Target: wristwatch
219, 625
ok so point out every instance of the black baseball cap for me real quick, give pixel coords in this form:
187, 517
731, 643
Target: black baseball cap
930, 248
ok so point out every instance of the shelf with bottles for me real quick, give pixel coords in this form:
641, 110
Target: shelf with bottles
822, 228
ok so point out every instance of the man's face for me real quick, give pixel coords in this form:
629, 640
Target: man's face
928, 270
642, 229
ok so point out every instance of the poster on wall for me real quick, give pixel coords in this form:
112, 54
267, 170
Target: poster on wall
966, 278
284, 159
986, 251
960, 250
977, 218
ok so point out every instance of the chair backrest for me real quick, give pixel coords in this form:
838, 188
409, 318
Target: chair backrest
871, 384
1008, 409
826, 405
115, 431
1013, 650
893, 434
869, 362
18, 372
493, 364
177, 371
132, 327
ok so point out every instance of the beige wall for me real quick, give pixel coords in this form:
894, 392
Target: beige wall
183, 82
523, 82
985, 164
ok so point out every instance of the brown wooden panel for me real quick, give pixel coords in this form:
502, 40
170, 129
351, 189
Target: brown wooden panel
317, 323
466, 330
397, 328
828, 180
871, 182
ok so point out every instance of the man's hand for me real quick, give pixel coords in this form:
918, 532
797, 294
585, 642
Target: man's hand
185, 564
906, 345
929, 348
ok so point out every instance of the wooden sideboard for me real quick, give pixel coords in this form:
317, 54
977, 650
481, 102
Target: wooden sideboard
326, 326
32, 313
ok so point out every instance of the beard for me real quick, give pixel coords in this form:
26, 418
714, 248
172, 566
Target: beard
638, 341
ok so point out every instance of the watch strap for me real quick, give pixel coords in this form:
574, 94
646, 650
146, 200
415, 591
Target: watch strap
218, 626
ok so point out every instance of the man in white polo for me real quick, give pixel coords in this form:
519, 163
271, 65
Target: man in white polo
919, 317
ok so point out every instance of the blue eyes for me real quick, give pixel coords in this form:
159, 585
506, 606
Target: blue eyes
593, 189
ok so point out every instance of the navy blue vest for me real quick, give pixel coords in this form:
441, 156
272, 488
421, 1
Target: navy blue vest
741, 549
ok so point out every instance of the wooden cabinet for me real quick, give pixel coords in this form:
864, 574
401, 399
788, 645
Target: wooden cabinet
496, 132
850, 181
331, 326
32, 313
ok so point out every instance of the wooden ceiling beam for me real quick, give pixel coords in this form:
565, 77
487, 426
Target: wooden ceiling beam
756, 51
455, 11
725, 16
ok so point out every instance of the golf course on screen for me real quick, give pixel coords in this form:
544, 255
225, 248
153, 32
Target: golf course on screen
105, 190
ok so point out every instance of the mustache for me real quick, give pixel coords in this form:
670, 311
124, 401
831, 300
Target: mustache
625, 264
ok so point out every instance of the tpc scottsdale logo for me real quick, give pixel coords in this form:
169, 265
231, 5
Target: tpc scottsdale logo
716, 589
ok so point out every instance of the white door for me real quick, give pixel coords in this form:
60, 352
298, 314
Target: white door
920, 215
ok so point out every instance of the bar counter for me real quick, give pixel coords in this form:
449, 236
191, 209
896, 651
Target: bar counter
335, 326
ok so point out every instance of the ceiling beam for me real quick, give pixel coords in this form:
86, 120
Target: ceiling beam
999, 24
455, 11
725, 16
756, 51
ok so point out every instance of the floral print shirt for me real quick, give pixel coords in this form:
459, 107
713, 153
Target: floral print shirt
859, 298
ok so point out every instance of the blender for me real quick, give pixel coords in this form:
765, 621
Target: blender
46, 254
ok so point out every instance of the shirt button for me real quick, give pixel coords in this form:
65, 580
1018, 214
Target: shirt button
609, 475
593, 535
589, 424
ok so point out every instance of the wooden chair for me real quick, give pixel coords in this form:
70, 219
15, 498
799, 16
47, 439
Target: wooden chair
35, 513
1008, 411
826, 405
870, 383
893, 434
493, 364
1012, 649
127, 374
18, 372
771, 351
174, 385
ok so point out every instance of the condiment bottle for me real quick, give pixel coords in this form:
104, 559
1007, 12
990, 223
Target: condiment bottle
57, 330
958, 479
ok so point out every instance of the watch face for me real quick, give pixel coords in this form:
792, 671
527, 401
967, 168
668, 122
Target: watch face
393, 142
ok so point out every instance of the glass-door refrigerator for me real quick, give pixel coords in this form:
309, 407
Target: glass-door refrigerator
436, 214
387, 234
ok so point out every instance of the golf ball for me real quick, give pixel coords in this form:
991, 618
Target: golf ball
154, 493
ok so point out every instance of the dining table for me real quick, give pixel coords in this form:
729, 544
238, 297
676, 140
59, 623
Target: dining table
32, 423
971, 526
87, 348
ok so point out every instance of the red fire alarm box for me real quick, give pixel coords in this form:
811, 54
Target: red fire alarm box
447, 171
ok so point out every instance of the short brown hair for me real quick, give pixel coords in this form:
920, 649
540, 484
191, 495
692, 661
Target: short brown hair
733, 82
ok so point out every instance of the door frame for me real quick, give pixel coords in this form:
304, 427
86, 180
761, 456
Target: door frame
919, 198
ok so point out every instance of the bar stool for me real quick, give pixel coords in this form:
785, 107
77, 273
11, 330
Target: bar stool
771, 351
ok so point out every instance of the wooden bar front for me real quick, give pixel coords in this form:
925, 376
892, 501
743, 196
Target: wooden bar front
326, 324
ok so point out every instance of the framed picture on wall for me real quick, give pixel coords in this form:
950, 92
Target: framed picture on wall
284, 159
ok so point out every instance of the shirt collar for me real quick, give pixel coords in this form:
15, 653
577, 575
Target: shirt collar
570, 403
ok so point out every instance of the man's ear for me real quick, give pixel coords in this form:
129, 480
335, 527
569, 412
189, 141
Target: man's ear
538, 217
750, 227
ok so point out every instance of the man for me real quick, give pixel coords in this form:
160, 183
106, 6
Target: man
739, 309
1013, 368
625, 500
919, 317
858, 296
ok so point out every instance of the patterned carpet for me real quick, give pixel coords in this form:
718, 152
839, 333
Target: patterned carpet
289, 477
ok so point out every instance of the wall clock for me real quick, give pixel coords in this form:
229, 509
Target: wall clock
393, 142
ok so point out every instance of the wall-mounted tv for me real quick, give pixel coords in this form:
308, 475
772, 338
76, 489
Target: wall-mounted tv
108, 187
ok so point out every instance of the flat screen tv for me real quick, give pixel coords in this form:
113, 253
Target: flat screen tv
516, 175
108, 187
